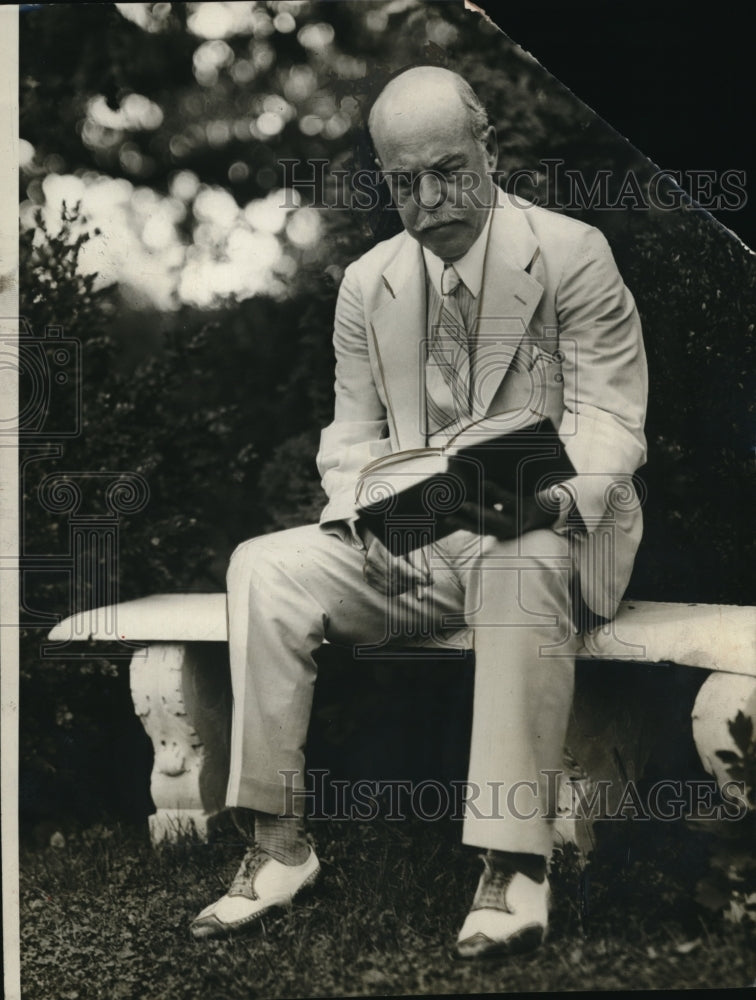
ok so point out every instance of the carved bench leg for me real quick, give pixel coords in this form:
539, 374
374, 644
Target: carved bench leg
182, 695
719, 700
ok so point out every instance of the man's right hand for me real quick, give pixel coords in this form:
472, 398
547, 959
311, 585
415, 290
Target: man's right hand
387, 573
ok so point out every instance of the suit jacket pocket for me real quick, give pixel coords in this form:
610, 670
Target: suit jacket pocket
533, 391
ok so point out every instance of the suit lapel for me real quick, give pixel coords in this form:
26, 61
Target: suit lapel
399, 328
509, 299
399, 325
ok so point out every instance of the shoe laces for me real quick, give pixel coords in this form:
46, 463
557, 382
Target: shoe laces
243, 883
491, 893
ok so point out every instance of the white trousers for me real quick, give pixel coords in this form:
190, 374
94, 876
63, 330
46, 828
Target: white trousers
290, 590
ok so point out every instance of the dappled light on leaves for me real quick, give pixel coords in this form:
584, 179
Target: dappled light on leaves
137, 238
221, 20
135, 112
201, 115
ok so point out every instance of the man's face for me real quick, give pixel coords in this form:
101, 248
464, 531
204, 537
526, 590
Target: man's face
438, 173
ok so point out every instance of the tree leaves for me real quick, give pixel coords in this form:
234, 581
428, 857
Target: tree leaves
741, 730
741, 766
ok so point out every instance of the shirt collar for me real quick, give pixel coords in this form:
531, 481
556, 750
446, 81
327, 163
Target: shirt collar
469, 268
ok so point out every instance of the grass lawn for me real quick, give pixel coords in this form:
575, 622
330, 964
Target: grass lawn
106, 916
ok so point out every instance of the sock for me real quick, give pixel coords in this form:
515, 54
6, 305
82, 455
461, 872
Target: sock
283, 838
244, 821
532, 865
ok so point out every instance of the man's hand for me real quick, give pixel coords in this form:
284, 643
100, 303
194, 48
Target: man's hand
387, 573
502, 514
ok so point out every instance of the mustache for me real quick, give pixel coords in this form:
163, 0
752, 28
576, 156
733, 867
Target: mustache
433, 222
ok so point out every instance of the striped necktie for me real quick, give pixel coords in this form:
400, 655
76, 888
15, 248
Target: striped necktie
447, 371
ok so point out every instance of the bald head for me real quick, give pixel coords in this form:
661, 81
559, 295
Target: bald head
422, 91
437, 151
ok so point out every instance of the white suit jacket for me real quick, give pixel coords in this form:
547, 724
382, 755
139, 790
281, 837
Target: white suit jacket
558, 335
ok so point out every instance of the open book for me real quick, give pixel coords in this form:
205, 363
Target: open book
405, 498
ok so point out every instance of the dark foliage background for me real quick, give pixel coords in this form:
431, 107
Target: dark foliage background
220, 409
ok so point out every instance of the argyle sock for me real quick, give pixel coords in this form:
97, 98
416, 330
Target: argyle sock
283, 838
532, 865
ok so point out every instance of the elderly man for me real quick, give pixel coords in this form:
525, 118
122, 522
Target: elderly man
481, 307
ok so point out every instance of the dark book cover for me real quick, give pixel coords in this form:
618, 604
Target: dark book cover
406, 498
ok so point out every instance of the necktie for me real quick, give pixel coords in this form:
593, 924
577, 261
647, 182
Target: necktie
447, 373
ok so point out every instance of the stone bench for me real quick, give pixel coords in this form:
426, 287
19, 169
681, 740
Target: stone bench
181, 688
